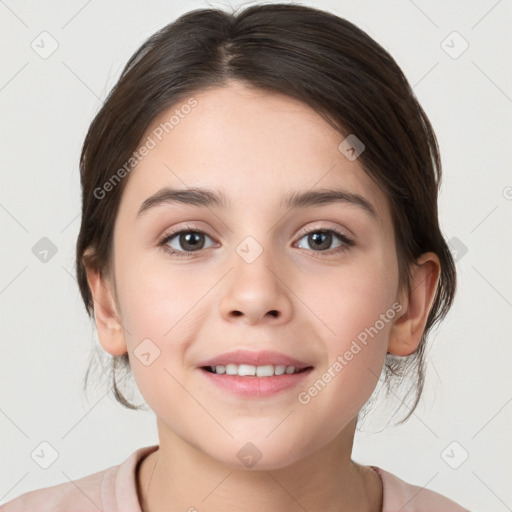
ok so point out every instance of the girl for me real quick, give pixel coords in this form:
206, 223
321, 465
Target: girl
259, 242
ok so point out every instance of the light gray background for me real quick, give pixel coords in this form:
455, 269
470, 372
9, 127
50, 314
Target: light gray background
47, 105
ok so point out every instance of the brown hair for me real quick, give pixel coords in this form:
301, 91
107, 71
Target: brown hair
312, 55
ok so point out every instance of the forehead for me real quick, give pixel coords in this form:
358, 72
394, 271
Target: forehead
251, 145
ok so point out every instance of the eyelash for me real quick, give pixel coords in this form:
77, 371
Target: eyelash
347, 242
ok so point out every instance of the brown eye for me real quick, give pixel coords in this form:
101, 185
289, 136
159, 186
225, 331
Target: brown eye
186, 241
191, 241
322, 239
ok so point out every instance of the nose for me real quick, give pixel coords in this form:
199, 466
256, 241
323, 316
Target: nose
256, 292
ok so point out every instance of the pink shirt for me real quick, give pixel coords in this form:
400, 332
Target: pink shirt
114, 490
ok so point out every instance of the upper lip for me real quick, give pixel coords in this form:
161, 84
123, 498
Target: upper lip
255, 358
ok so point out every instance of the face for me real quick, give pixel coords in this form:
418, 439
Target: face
311, 285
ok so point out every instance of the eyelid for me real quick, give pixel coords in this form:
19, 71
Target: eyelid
168, 234
336, 229
302, 232
347, 240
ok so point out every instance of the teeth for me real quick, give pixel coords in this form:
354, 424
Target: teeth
265, 371
248, 370
279, 370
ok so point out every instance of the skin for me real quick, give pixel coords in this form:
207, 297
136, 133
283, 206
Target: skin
256, 147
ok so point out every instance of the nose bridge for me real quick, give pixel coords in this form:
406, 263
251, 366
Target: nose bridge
255, 289
254, 264
250, 250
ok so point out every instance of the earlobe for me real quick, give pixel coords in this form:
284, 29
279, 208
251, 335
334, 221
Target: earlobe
407, 330
107, 318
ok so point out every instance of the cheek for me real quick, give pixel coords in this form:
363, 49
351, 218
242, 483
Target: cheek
161, 312
356, 306
351, 297
156, 299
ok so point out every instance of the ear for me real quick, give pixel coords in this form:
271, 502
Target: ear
108, 322
408, 328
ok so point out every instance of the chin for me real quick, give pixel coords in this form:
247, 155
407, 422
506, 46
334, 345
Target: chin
260, 454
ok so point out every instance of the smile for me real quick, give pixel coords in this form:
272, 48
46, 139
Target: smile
248, 370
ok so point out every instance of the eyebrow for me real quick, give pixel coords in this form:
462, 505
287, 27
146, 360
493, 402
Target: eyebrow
207, 198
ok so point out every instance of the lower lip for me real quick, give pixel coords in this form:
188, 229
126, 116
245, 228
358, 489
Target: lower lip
256, 387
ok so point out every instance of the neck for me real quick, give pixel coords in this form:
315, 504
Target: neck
178, 477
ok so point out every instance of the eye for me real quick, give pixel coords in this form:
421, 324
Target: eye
184, 242
321, 240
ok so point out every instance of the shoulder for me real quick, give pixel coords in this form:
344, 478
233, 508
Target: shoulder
112, 489
405, 497
84, 493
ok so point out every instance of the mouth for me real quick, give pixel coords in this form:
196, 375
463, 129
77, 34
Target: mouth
250, 374
247, 363
249, 370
